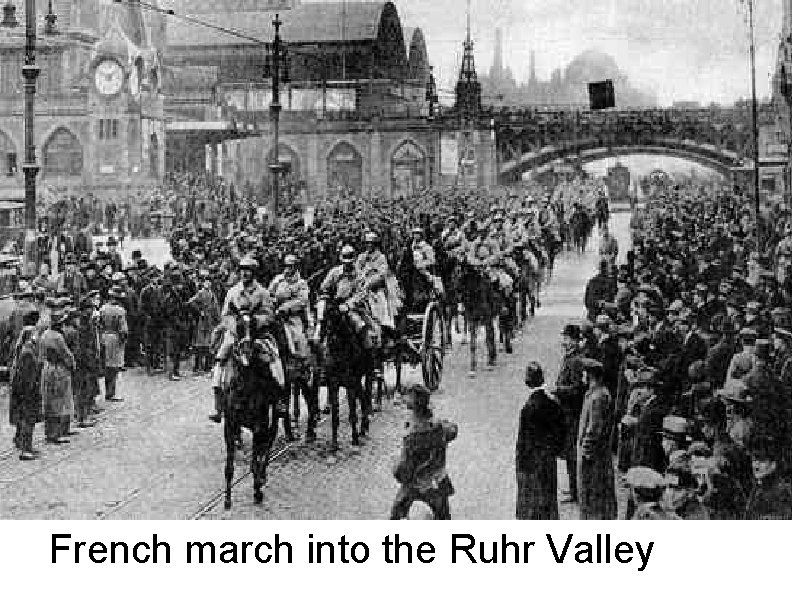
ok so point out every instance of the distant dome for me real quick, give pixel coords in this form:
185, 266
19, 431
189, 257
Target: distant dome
592, 66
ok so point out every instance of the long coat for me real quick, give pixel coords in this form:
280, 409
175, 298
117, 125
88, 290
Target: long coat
88, 363
596, 490
540, 439
207, 309
56, 375
114, 333
25, 405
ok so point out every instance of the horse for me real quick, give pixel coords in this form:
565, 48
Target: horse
477, 293
346, 362
251, 403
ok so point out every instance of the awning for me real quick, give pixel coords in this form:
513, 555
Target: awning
210, 131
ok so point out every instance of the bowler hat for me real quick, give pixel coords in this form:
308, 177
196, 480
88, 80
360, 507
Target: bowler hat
676, 427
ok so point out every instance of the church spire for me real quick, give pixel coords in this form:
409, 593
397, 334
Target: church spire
468, 89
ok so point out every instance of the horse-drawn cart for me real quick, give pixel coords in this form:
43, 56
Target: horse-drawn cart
421, 339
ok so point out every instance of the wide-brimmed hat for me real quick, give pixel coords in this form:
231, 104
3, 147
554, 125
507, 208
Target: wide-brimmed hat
347, 254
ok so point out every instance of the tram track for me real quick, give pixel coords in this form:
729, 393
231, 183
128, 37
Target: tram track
67, 452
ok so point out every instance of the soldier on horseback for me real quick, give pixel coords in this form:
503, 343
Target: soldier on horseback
425, 261
289, 291
341, 321
252, 298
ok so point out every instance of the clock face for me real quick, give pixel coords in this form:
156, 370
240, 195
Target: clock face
109, 77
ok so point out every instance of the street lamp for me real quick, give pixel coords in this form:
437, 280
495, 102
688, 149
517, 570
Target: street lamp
755, 123
280, 74
30, 73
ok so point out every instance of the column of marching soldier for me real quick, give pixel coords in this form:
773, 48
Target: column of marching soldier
101, 316
674, 396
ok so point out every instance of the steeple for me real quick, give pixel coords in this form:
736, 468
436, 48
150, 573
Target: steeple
532, 75
497, 66
468, 88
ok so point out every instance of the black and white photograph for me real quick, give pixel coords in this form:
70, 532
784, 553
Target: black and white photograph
373, 260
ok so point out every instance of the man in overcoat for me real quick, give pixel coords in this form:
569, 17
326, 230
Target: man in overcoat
596, 491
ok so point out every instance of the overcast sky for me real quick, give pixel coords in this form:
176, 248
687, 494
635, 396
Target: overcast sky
681, 49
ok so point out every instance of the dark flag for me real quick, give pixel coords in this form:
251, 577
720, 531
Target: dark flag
602, 95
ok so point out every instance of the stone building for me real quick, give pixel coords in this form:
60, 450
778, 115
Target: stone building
99, 124
355, 110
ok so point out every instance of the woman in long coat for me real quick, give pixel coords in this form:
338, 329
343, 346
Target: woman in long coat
596, 489
56, 380
25, 407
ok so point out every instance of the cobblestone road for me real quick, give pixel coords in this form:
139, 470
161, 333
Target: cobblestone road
156, 455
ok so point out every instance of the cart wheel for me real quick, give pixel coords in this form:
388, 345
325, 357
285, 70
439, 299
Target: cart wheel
433, 347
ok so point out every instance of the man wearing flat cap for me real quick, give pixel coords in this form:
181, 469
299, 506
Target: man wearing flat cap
570, 391
771, 497
421, 468
675, 434
540, 440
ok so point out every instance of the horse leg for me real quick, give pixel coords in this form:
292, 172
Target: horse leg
312, 399
229, 433
332, 398
365, 403
489, 331
473, 333
353, 393
256, 464
296, 390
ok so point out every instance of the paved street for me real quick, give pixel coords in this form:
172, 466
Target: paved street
156, 455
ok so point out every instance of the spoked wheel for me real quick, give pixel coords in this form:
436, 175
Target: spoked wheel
433, 347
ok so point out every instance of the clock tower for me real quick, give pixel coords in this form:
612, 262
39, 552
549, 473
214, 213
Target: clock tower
126, 112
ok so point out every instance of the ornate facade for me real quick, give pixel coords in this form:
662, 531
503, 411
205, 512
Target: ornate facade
99, 124
355, 110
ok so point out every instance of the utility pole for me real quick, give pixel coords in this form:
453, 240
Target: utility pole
755, 119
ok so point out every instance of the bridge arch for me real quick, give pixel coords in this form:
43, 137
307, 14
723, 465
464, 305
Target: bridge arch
720, 160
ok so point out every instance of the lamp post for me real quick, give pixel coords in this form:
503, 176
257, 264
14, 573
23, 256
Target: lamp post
755, 124
30, 73
279, 72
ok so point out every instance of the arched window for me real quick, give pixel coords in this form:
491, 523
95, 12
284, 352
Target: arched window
345, 169
408, 170
8, 156
63, 155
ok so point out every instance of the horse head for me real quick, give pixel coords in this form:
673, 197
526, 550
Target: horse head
243, 350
